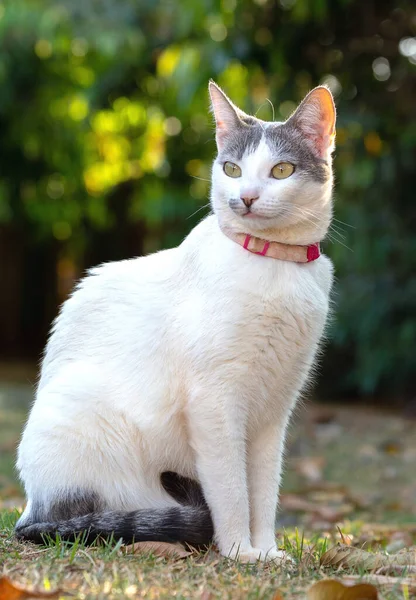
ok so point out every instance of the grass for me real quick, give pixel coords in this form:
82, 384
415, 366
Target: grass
106, 571
368, 460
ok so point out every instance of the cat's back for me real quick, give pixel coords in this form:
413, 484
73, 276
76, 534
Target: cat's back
118, 305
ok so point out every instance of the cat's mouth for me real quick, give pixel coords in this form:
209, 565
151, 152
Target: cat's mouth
249, 214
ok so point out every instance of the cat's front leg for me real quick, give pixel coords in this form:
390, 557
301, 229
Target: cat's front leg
264, 469
217, 436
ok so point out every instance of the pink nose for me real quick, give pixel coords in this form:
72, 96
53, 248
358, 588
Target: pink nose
248, 199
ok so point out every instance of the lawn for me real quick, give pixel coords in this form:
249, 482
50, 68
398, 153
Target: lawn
350, 479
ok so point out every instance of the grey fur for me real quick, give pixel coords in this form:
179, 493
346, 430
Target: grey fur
82, 513
286, 143
243, 139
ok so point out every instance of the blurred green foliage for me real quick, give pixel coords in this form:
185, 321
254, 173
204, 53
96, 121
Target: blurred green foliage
104, 120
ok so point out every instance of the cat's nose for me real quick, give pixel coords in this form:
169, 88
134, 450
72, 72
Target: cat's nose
248, 199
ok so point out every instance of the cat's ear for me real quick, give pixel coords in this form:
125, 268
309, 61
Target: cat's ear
227, 115
315, 118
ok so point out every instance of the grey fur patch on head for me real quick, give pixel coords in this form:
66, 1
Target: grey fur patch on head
287, 143
244, 139
241, 134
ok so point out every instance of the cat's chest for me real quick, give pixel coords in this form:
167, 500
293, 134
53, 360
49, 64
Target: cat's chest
284, 313
247, 310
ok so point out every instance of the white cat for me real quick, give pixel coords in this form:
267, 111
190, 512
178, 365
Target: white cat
168, 381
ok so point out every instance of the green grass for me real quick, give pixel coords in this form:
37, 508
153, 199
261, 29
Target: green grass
106, 571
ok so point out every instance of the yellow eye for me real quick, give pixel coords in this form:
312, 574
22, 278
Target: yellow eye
283, 170
232, 170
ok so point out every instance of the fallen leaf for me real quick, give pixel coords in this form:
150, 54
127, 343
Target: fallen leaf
407, 582
346, 540
331, 589
310, 467
386, 529
348, 556
387, 535
163, 549
327, 513
399, 540
11, 591
277, 596
396, 570
391, 447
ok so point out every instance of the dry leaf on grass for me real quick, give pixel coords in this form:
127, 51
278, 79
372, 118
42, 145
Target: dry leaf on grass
331, 514
383, 580
311, 467
397, 570
348, 556
399, 540
162, 549
277, 596
11, 591
331, 589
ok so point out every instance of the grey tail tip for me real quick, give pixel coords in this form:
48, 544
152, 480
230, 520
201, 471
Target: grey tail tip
81, 516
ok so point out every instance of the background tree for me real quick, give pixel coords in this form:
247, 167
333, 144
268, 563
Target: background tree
106, 146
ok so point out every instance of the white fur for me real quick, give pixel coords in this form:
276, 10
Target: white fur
189, 360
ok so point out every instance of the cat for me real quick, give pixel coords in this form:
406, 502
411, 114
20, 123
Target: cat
168, 380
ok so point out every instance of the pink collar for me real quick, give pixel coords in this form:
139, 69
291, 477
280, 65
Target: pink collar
290, 252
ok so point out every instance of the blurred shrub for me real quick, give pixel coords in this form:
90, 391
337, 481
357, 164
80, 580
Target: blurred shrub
104, 121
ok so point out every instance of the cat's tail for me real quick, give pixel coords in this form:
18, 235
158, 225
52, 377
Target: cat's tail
188, 522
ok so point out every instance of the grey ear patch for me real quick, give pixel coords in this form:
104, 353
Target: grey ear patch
249, 120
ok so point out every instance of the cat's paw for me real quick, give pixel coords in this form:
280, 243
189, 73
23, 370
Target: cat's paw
246, 555
277, 556
253, 555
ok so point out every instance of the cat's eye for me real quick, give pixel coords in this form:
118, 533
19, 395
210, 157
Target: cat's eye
232, 170
283, 170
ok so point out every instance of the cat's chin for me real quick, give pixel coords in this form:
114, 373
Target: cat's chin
251, 215
256, 217
259, 221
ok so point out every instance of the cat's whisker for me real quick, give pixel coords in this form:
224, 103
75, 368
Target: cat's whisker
271, 104
344, 245
333, 234
200, 178
260, 107
344, 223
337, 232
198, 209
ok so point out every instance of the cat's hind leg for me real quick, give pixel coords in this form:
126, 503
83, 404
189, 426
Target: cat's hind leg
81, 463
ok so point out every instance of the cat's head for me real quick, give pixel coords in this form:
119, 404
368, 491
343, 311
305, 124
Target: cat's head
272, 179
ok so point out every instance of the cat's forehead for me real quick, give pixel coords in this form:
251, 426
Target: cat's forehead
253, 135
273, 141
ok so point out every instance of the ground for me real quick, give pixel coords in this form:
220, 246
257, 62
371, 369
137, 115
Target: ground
349, 478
